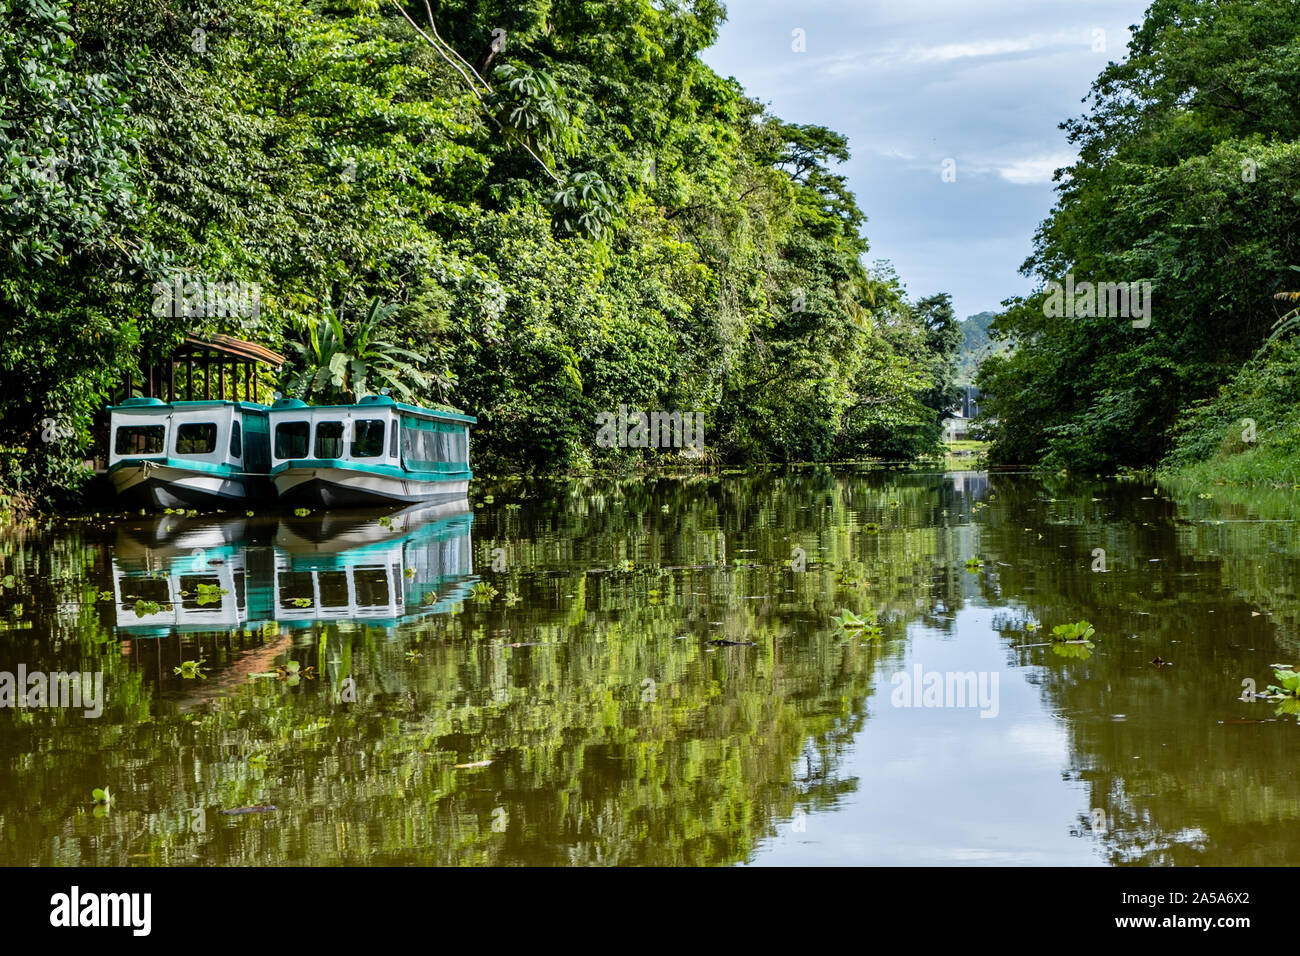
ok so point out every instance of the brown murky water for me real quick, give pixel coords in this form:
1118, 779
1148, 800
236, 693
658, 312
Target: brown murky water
535, 679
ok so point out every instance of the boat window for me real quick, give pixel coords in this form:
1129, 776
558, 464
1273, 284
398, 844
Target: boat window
139, 440
150, 590
333, 588
291, 439
201, 592
196, 438
296, 586
329, 439
236, 442
436, 444
368, 438
372, 587
393, 446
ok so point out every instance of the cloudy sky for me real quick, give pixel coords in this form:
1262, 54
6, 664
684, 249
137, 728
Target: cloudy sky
914, 83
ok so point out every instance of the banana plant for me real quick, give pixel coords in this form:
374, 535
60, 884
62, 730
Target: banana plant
333, 365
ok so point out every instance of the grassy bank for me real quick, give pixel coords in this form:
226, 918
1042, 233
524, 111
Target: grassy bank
1249, 433
1267, 466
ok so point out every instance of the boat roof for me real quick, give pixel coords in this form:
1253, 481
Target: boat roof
157, 404
371, 401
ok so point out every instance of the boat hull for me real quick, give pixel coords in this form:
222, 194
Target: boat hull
161, 485
348, 488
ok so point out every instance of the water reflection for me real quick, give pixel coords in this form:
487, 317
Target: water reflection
180, 575
666, 671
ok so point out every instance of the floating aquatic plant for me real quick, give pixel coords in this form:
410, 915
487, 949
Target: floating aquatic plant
974, 564
191, 669
482, 592
210, 593
846, 620
103, 801
1286, 691
291, 671
1077, 633
1072, 649
1288, 682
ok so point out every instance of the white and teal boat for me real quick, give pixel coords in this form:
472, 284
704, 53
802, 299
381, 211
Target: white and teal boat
374, 453
200, 454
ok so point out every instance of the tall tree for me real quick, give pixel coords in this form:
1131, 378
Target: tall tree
1185, 160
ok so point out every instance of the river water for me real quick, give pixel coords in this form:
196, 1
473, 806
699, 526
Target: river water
536, 677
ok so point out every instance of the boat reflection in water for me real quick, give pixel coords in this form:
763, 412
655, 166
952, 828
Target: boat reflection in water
177, 575
381, 571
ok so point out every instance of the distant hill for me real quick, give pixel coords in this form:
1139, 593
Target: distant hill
975, 346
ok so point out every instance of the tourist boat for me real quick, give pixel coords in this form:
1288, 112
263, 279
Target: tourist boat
375, 453
197, 454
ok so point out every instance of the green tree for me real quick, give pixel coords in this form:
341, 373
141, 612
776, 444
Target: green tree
1185, 157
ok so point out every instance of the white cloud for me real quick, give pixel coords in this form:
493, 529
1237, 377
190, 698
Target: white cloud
958, 51
1036, 169
857, 63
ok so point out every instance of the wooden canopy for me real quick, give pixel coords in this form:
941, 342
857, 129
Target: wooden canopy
216, 367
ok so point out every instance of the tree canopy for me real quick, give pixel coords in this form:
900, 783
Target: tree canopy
565, 207
1187, 158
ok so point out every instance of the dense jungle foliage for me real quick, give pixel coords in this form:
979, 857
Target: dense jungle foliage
1188, 159
556, 207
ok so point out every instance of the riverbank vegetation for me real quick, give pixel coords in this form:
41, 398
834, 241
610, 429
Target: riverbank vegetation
1188, 156
556, 209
